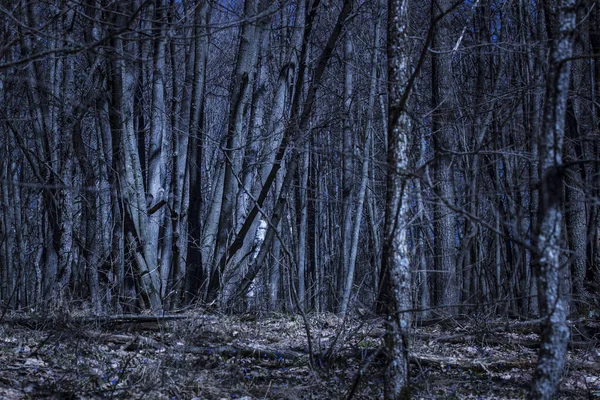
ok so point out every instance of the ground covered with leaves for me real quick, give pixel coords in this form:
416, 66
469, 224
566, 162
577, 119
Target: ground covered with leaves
200, 356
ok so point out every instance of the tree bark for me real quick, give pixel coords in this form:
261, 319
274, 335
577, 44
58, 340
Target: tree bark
125, 151
555, 335
395, 264
352, 254
344, 278
443, 143
196, 273
156, 187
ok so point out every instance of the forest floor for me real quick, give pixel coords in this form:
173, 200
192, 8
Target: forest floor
199, 356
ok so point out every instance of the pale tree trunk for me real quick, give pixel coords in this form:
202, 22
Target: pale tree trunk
319, 253
270, 170
395, 261
276, 265
274, 276
374, 227
347, 178
131, 180
276, 127
255, 139
555, 335
155, 191
421, 241
272, 128
211, 225
374, 211
360, 201
581, 182
240, 97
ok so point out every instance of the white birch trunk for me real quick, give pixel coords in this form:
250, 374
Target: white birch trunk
156, 158
396, 266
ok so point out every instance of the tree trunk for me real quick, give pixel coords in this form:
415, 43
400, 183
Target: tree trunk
344, 278
303, 226
155, 190
575, 212
443, 143
242, 83
395, 265
350, 261
195, 271
555, 335
125, 151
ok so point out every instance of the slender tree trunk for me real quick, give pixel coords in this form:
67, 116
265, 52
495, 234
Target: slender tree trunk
421, 241
155, 190
443, 143
125, 151
575, 211
279, 115
8, 229
242, 83
303, 226
353, 250
395, 265
555, 335
344, 277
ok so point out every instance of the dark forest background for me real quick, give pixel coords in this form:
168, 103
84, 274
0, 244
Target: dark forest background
160, 154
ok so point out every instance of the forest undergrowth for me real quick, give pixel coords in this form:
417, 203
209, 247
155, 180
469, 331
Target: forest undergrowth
203, 356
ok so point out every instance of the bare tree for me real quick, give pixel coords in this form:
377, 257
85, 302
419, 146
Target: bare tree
444, 139
547, 260
396, 265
